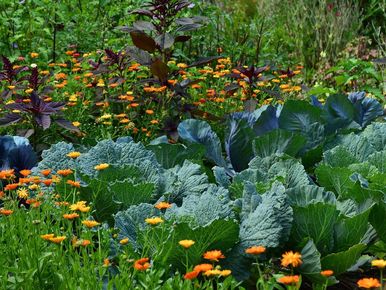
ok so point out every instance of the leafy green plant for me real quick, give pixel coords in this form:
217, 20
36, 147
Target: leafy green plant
352, 75
306, 127
134, 176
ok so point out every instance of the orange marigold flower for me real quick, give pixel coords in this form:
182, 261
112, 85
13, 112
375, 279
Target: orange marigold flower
163, 205
45, 172
33, 186
47, 182
101, 166
24, 180
71, 216
4, 211
213, 255
154, 221
142, 264
65, 172
106, 262
291, 258
327, 273
85, 243
90, 223
368, 283
47, 237
225, 273
289, 280
149, 112
215, 272
191, 275
73, 183
186, 243
11, 186
255, 250
73, 154
57, 240
380, 264
34, 54
153, 122
80, 206
203, 267
25, 172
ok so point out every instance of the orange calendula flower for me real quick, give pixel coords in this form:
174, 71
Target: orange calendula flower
124, 241
73, 183
34, 54
73, 154
255, 250
57, 240
33, 186
225, 273
327, 273
101, 166
11, 186
154, 221
106, 262
291, 258
149, 112
47, 182
289, 280
4, 211
65, 172
162, 205
90, 223
80, 206
186, 243
86, 243
142, 264
380, 264
368, 283
191, 275
203, 267
25, 172
71, 216
47, 237
7, 174
214, 255
214, 272
45, 172
153, 122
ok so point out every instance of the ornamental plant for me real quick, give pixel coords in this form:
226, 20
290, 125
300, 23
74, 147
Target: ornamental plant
34, 108
154, 41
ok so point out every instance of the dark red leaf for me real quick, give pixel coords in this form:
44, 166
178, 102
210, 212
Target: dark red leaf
143, 41
165, 41
182, 38
10, 119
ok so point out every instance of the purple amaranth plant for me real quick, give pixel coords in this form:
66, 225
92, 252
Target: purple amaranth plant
39, 111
